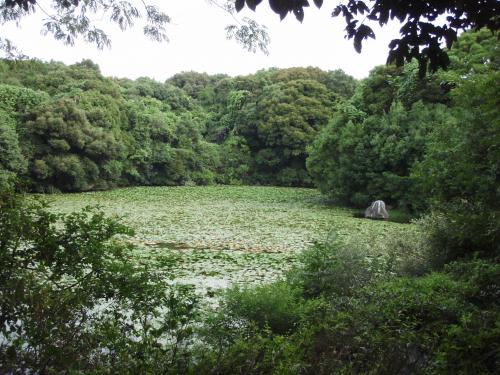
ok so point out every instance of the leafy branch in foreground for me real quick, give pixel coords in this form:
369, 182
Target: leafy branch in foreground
71, 300
250, 35
67, 20
246, 31
422, 31
11, 51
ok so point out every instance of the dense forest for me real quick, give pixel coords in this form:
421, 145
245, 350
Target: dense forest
69, 129
428, 145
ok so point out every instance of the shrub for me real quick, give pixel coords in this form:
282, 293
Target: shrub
275, 306
334, 268
461, 230
437, 323
341, 312
71, 301
455, 231
257, 352
410, 254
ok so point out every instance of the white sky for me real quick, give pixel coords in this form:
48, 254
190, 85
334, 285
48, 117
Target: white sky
198, 42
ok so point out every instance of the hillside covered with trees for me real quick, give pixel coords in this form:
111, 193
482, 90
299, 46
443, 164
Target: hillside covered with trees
69, 129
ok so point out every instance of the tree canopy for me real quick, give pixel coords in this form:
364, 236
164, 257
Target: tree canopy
69, 128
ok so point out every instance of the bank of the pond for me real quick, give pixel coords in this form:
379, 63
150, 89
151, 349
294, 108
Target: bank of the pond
214, 236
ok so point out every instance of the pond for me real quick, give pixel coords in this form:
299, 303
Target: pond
216, 236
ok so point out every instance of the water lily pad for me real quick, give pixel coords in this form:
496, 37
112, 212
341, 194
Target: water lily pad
216, 236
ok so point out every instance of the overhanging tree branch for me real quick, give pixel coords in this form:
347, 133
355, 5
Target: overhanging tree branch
423, 35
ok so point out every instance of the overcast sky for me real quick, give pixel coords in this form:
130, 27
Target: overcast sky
198, 42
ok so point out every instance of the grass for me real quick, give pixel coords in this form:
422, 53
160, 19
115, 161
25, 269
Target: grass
220, 235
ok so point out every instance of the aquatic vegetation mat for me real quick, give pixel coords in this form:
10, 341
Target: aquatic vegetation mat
215, 236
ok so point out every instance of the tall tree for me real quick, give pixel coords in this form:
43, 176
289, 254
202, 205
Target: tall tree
282, 122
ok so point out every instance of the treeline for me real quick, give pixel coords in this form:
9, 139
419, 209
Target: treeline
392, 136
68, 128
413, 141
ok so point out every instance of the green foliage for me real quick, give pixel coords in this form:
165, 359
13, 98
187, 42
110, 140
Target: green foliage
473, 53
70, 147
358, 159
432, 315
462, 159
14, 101
414, 142
236, 161
73, 302
289, 116
375, 94
443, 322
462, 230
275, 307
336, 269
12, 161
280, 121
199, 86
459, 172
78, 130
18, 99
268, 117
253, 352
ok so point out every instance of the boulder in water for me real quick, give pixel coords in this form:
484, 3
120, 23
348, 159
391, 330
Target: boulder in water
377, 211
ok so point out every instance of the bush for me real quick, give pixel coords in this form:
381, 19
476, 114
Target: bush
461, 230
334, 268
203, 177
275, 306
341, 312
432, 324
72, 301
410, 255
249, 332
256, 352
457, 231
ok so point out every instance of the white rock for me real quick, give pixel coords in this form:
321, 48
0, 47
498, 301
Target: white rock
377, 211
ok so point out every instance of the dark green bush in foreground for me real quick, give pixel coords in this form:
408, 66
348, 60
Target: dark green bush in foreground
406, 326
462, 230
443, 322
71, 301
